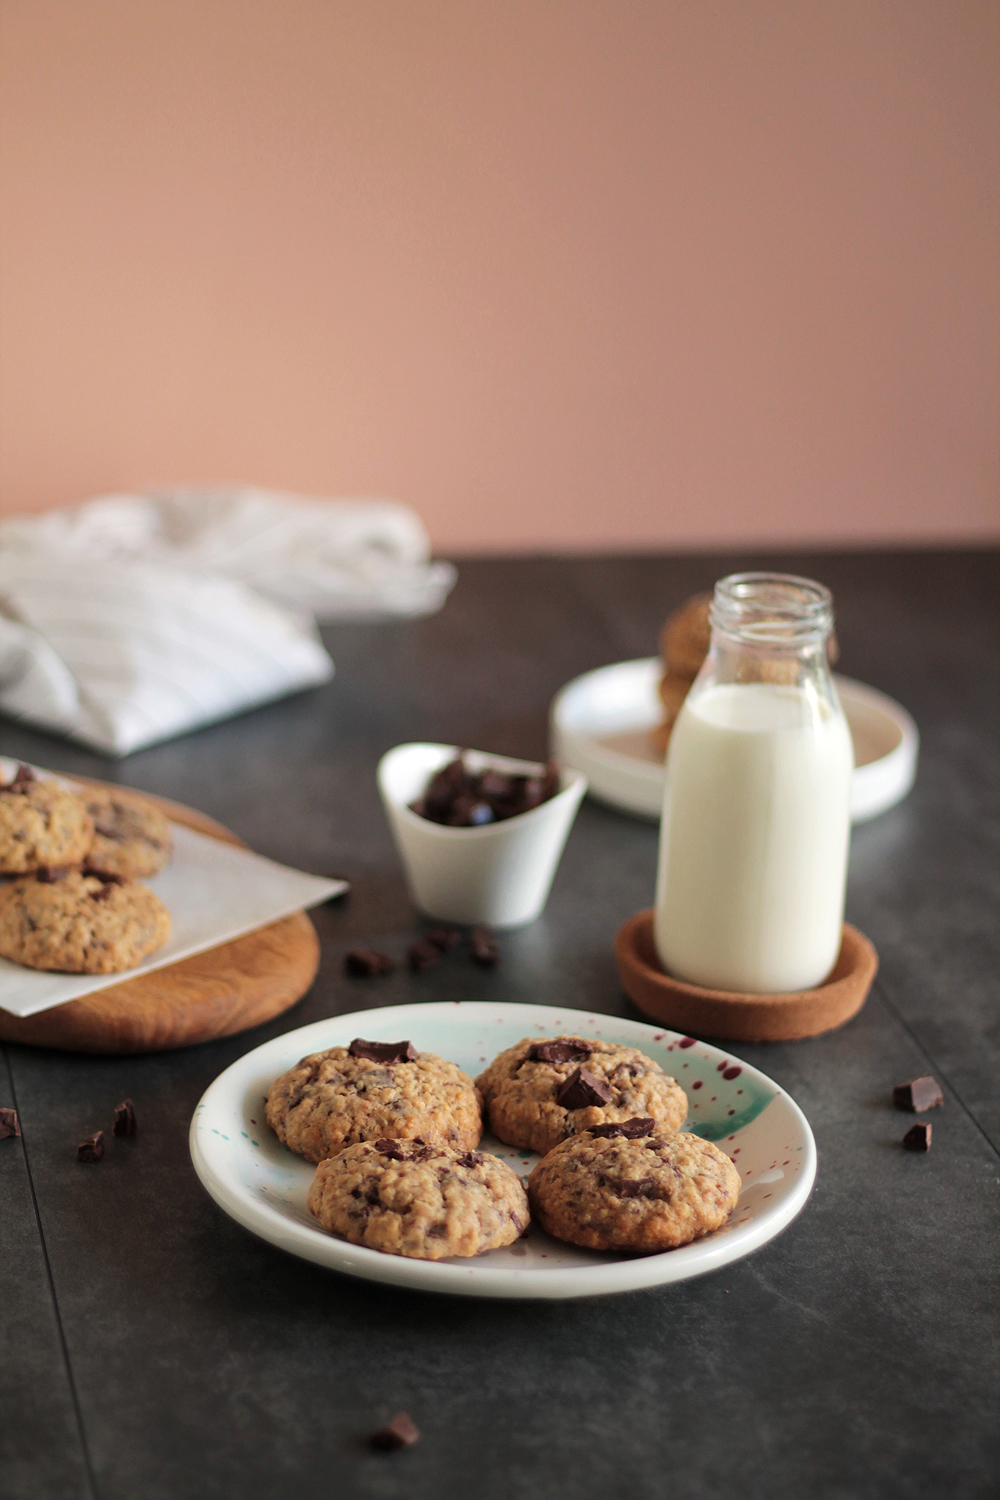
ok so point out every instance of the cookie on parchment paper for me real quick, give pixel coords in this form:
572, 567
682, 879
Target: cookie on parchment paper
41, 823
546, 1089
640, 1190
80, 923
410, 1198
334, 1099
131, 835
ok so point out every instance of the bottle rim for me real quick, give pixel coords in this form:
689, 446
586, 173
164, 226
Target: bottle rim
776, 610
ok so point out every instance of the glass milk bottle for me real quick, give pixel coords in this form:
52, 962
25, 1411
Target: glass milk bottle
756, 811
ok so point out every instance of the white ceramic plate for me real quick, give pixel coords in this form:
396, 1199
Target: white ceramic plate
263, 1186
601, 724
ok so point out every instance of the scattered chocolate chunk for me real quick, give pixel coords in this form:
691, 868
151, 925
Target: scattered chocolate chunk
423, 955
461, 798
918, 1095
49, 874
363, 963
582, 1088
401, 1432
21, 780
918, 1137
471, 1159
9, 1123
390, 1148
485, 949
559, 1051
383, 1052
632, 1130
125, 1122
91, 1149
443, 938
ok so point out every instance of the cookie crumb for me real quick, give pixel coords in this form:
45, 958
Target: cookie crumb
401, 1432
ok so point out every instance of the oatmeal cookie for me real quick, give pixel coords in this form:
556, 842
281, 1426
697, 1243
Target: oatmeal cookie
542, 1091
41, 823
80, 924
646, 1191
336, 1098
131, 835
409, 1198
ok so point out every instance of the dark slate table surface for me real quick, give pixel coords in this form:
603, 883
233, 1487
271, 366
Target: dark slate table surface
155, 1349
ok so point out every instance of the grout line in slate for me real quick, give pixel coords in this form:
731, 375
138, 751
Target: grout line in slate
88, 1466
936, 1066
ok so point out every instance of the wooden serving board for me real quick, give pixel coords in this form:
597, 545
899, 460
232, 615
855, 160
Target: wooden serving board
212, 994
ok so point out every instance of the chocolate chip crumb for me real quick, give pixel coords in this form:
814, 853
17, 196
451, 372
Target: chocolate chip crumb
401, 1432
632, 1130
91, 1149
9, 1123
21, 780
582, 1088
363, 963
485, 949
125, 1121
918, 1138
918, 1095
383, 1052
423, 955
559, 1051
443, 938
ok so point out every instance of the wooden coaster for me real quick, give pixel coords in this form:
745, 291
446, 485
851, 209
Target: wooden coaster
216, 993
742, 1017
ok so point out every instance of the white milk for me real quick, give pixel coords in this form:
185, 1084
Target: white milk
753, 846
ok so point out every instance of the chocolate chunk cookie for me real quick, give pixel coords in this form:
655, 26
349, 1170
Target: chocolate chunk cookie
542, 1091
80, 923
336, 1098
409, 1198
131, 836
624, 1192
41, 823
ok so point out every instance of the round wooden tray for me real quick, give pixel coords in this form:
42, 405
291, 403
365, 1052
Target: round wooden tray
212, 994
743, 1017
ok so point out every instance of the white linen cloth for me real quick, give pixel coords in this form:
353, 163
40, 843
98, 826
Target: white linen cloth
134, 618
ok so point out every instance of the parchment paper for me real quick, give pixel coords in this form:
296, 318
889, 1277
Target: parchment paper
213, 891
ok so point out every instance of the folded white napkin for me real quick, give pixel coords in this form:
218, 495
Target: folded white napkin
134, 618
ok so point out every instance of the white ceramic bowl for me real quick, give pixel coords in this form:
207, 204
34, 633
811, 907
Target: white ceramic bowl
499, 874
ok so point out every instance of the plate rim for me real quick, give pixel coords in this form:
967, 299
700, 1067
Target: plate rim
876, 786
475, 1279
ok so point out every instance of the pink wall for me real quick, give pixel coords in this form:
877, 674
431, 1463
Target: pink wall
561, 273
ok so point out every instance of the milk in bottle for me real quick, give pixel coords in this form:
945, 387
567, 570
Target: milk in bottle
756, 815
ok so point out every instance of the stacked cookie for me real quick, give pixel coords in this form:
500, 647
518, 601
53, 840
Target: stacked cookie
394, 1132
76, 903
684, 643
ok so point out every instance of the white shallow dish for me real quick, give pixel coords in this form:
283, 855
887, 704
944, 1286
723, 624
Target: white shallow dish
601, 724
263, 1186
